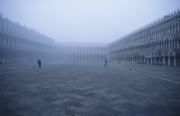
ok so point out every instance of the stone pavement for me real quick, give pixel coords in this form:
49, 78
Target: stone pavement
89, 89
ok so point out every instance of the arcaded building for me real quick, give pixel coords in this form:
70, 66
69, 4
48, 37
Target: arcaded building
81, 51
155, 43
20, 43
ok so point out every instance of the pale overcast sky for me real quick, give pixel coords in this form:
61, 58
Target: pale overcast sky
86, 20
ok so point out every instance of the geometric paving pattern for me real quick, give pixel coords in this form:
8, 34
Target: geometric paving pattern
89, 89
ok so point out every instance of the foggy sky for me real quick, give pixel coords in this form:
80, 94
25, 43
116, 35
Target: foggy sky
86, 20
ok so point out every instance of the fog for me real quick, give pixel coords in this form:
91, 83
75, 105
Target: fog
86, 20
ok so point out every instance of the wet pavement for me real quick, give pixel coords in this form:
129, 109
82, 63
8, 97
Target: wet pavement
89, 89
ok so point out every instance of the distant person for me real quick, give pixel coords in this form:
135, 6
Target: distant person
105, 65
39, 63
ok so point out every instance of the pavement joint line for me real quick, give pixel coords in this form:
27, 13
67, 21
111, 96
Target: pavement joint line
160, 74
162, 78
152, 76
157, 77
173, 78
14, 71
21, 70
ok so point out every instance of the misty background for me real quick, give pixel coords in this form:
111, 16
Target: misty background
100, 21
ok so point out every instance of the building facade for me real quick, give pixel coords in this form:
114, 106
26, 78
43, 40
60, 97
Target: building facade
157, 42
82, 52
20, 43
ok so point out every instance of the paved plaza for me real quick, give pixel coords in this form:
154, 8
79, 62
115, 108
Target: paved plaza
89, 89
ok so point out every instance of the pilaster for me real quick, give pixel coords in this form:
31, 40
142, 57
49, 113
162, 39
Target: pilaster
164, 59
174, 54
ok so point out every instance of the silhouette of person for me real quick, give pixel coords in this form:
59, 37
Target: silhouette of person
39, 62
105, 65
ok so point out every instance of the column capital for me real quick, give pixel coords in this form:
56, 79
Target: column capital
174, 53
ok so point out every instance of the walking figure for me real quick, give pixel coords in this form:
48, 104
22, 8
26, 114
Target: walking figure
39, 62
105, 65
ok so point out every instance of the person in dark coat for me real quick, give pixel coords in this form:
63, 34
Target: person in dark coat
105, 65
39, 62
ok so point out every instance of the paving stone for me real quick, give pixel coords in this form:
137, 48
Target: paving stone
7, 111
39, 108
140, 114
127, 112
27, 112
93, 112
2, 114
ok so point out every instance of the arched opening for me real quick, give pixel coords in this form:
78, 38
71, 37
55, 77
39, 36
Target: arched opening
178, 59
166, 60
171, 60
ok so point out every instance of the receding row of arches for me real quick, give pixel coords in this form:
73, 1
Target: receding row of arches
92, 50
24, 44
170, 59
80, 58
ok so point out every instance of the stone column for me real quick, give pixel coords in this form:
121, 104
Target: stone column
154, 59
18, 44
175, 59
151, 60
163, 59
24, 45
12, 43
